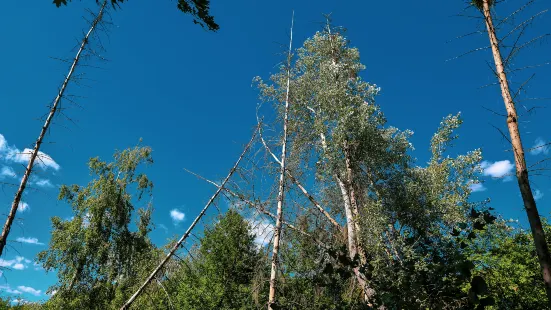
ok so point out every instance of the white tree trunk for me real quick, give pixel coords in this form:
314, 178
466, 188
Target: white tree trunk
281, 190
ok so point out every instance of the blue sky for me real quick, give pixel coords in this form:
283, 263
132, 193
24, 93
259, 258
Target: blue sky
188, 94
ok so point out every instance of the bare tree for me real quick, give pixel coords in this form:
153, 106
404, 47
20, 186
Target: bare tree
521, 170
53, 110
281, 187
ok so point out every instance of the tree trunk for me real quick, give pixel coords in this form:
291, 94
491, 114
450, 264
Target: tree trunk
281, 189
34, 153
351, 228
521, 170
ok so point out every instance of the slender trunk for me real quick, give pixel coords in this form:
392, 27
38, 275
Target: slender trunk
281, 191
177, 245
354, 202
45, 127
351, 230
521, 170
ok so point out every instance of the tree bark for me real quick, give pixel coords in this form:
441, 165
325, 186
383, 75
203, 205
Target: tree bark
352, 228
34, 153
281, 189
520, 161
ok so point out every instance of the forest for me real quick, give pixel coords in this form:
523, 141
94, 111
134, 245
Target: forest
322, 202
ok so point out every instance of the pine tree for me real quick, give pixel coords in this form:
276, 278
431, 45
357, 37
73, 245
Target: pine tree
220, 275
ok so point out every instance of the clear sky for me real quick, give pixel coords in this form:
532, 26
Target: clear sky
188, 94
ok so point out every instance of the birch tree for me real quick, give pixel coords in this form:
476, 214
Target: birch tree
95, 253
391, 209
538, 233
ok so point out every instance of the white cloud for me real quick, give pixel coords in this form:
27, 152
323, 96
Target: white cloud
43, 160
477, 187
3, 143
7, 172
43, 182
540, 147
8, 289
29, 240
177, 216
538, 194
18, 266
19, 263
23, 206
30, 290
497, 169
263, 229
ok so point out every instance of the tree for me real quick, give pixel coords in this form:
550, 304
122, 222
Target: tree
538, 233
54, 108
506, 257
199, 9
95, 253
221, 274
405, 226
281, 186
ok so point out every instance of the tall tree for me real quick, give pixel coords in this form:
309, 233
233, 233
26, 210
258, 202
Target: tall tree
95, 252
34, 154
281, 184
399, 218
530, 207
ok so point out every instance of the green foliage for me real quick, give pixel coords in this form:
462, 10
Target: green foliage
95, 253
506, 258
424, 243
221, 273
199, 9
406, 212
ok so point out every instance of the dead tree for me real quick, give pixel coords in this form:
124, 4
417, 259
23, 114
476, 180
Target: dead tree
281, 187
53, 110
521, 170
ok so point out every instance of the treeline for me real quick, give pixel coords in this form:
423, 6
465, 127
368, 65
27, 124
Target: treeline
367, 226
352, 220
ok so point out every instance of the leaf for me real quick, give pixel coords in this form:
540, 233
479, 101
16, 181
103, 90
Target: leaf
487, 301
479, 225
462, 225
455, 232
489, 218
328, 269
58, 3
479, 286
